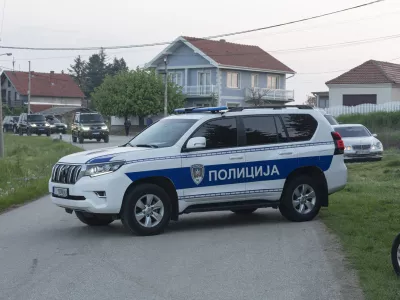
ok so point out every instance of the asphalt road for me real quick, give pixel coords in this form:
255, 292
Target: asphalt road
48, 254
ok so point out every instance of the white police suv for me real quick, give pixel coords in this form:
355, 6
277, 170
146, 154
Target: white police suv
206, 159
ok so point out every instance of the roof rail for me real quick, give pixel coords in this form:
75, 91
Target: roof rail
187, 110
233, 109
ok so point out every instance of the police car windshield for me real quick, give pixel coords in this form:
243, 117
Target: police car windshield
353, 131
164, 133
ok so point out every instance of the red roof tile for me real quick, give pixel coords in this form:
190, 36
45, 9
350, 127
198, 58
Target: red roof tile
231, 54
35, 108
45, 84
370, 72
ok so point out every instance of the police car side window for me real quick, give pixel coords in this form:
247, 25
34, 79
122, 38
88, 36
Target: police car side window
220, 133
300, 127
260, 130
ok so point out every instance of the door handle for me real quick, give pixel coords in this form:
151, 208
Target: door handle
286, 153
236, 157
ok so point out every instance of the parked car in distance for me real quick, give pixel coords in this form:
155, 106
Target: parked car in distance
89, 126
359, 142
331, 119
56, 125
9, 123
33, 124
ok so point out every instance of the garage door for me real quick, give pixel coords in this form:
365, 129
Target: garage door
353, 100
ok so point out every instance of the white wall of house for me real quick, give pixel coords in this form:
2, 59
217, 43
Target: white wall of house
383, 92
56, 101
396, 93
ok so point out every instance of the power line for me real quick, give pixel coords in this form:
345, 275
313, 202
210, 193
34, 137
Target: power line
209, 37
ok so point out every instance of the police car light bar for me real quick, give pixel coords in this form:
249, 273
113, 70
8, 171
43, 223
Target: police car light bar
200, 109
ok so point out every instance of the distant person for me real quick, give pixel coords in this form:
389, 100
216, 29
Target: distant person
127, 126
149, 121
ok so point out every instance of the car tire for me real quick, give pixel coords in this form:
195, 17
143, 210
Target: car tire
28, 132
245, 211
395, 255
301, 199
146, 210
48, 133
20, 132
106, 139
94, 219
39, 134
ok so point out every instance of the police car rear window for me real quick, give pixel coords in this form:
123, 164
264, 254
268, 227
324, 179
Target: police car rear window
300, 127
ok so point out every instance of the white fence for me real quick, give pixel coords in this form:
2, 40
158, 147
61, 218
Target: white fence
363, 108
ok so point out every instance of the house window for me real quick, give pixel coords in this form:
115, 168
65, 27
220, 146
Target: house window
9, 83
232, 80
15, 96
175, 77
254, 80
273, 82
323, 103
9, 95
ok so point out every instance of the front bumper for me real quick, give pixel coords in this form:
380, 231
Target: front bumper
367, 156
94, 134
41, 130
82, 195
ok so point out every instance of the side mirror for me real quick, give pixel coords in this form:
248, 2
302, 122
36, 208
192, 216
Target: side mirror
196, 143
374, 135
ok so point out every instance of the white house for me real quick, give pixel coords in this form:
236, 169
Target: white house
373, 82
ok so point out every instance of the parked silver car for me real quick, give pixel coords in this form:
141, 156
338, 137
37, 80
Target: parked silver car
359, 142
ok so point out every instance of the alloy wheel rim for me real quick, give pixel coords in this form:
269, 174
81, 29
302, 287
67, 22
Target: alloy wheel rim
149, 210
304, 199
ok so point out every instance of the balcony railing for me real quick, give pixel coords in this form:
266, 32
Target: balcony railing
269, 94
199, 90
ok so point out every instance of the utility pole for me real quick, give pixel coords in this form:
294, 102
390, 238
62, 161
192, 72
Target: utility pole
29, 89
166, 89
1, 114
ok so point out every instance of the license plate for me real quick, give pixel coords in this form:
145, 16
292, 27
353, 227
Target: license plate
362, 152
61, 192
95, 133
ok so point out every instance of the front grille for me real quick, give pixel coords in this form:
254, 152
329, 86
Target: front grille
67, 174
95, 127
361, 147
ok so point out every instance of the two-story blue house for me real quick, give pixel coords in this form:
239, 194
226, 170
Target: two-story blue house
221, 73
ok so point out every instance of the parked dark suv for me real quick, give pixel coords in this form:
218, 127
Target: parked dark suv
33, 124
89, 126
9, 123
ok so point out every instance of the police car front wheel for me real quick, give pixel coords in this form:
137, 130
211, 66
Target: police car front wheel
301, 199
146, 210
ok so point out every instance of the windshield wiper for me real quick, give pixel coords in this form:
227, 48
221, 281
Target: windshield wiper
145, 145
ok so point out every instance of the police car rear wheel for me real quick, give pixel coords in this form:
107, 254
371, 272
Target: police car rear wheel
147, 210
244, 211
301, 199
395, 254
94, 219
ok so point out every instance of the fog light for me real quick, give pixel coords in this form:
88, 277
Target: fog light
100, 194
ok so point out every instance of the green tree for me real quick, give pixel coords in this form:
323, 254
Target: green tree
78, 72
96, 70
138, 92
118, 65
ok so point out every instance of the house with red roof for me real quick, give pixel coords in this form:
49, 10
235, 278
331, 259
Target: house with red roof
47, 90
217, 72
373, 82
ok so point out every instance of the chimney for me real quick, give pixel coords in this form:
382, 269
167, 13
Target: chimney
62, 71
222, 40
52, 72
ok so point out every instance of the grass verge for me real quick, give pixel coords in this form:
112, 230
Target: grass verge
366, 217
26, 169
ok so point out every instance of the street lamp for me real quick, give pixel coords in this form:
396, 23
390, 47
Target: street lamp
1, 115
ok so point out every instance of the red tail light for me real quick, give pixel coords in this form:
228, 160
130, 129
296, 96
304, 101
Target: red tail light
339, 144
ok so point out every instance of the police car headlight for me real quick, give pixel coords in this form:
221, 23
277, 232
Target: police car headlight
101, 169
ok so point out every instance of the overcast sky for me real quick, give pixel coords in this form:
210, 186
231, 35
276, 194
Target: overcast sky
78, 23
